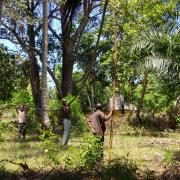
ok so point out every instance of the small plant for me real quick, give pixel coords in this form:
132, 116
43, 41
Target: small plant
46, 135
87, 156
171, 156
51, 151
2, 138
168, 157
120, 168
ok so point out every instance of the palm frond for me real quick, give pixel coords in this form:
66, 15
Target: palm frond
157, 63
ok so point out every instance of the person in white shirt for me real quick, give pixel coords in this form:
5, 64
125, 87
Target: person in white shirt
22, 112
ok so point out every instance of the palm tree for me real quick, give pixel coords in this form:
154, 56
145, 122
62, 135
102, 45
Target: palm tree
159, 50
44, 113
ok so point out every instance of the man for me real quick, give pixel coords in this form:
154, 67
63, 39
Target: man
97, 123
22, 112
66, 117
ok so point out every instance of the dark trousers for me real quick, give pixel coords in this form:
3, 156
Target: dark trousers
22, 129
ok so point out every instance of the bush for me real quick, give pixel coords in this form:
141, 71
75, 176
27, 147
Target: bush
120, 168
46, 135
87, 156
32, 125
152, 123
5, 127
78, 118
54, 107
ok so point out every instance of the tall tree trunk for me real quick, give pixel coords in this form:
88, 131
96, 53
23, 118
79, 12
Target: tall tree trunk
140, 104
1, 9
67, 68
35, 81
92, 97
44, 92
34, 67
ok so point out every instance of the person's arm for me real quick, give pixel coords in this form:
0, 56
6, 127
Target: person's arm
107, 117
17, 109
90, 125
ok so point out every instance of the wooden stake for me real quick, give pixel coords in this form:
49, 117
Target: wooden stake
113, 96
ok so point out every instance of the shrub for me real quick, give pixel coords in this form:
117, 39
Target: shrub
32, 125
54, 107
78, 118
87, 156
120, 168
5, 127
152, 123
46, 135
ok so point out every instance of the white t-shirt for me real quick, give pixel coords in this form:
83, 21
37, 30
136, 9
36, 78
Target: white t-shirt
22, 116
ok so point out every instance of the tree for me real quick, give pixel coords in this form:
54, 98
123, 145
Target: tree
44, 93
7, 73
23, 31
159, 50
73, 17
71, 36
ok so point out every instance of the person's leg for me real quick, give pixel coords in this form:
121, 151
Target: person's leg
66, 133
24, 130
20, 130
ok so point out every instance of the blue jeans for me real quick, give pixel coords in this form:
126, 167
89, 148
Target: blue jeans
66, 133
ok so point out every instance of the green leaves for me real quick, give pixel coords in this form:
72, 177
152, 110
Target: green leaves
7, 74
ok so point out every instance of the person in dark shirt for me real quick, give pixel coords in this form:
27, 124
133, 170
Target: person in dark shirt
97, 123
66, 117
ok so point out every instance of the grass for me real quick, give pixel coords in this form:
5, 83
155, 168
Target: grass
153, 153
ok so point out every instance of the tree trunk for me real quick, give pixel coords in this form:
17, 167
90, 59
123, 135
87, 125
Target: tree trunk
35, 82
44, 92
140, 104
34, 67
1, 9
67, 68
92, 97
